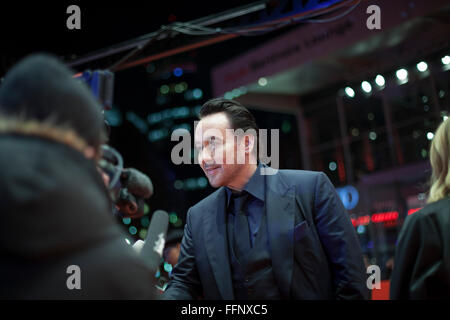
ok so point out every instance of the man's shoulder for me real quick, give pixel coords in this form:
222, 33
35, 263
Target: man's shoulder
208, 202
303, 177
300, 173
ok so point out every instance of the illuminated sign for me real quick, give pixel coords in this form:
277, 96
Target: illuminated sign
411, 211
385, 217
349, 196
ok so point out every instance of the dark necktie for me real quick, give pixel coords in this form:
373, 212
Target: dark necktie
241, 226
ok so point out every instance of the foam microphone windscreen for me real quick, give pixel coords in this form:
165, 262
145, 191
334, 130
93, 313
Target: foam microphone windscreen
137, 183
153, 247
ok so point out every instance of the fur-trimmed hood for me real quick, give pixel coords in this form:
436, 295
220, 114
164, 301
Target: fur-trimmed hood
46, 130
55, 213
48, 191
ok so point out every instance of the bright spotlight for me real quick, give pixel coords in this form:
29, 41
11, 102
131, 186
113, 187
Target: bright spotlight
350, 92
445, 60
332, 166
366, 86
379, 80
228, 95
262, 81
422, 66
401, 74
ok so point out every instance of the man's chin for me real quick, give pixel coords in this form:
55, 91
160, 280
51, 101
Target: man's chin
214, 182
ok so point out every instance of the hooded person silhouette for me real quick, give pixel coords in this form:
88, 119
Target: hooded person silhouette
58, 239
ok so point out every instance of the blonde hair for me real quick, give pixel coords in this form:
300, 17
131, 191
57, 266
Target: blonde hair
440, 160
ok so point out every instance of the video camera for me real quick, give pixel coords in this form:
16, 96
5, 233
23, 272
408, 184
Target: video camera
128, 187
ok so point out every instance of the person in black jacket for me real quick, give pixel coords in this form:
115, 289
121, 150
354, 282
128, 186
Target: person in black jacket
422, 258
58, 238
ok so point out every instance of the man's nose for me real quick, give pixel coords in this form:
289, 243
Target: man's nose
206, 156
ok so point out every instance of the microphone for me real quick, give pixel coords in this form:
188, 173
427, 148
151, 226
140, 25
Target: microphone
135, 187
137, 183
153, 247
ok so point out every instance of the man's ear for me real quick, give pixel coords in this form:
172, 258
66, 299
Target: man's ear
249, 141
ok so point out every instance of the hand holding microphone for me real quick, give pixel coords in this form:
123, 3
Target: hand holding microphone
152, 249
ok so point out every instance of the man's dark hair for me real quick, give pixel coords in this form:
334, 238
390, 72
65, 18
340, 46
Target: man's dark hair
237, 114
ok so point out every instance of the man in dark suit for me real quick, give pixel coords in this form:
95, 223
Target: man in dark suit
264, 234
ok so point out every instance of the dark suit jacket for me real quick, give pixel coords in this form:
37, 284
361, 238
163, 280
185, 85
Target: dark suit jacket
314, 247
422, 257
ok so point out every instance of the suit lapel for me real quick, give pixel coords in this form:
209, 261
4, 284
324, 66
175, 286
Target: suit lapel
280, 205
216, 245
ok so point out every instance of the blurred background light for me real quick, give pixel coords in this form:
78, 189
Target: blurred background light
422, 66
332, 166
379, 80
132, 230
173, 218
401, 74
177, 72
164, 89
143, 233
262, 81
168, 267
197, 93
349, 92
366, 86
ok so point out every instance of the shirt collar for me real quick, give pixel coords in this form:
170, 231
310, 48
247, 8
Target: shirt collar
254, 186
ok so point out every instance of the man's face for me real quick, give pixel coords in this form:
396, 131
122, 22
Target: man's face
213, 146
